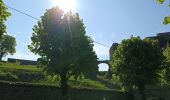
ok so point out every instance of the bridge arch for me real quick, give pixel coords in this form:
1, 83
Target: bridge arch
104, 62
109, 67
103, 67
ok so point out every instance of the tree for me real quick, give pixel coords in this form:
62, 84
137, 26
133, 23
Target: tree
7, 45
136, 63
166, 69
65, 49
4, 14
166, 19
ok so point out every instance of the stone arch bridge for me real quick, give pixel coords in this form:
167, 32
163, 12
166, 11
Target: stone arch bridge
109, 74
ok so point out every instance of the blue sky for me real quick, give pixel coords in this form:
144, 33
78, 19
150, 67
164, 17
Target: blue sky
106, 21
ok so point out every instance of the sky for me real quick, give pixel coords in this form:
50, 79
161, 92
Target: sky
106, 21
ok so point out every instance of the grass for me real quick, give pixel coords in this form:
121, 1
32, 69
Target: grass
15, 66
24, 73
87, 83
13, 72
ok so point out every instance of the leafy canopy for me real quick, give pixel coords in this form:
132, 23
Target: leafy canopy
136, 62
61, 41
4, 14
7, 45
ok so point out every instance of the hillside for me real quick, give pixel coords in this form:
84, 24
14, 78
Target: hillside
14, 72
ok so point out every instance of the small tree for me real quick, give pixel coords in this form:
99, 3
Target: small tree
136, 63
65, 49
7, 45
4, 14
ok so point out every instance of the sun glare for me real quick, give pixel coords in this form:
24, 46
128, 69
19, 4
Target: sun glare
66, 5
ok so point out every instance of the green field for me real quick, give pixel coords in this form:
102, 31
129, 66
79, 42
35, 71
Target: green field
13, 72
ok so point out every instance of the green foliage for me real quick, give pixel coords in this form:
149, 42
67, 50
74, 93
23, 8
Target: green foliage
160, 1
166, 70
4, 14
136, 62
65, 49
60, 39
115, 79
166, 19
62, 42
7, 45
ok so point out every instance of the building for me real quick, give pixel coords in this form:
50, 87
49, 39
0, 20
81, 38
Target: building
22, 61
163, 38
112, 49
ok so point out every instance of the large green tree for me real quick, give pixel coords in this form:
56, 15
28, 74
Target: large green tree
7, 45
4, 14
136, 63
65, 49
166, 19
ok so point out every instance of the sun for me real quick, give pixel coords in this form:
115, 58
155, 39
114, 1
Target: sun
66, 5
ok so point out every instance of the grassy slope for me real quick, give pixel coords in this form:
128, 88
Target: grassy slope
13, 73
11, 66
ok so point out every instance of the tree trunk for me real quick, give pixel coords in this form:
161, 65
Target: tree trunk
64, 86
109, 73
1, 55
130, 95
142, 92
